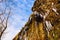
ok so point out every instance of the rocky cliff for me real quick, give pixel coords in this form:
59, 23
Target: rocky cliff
44, 22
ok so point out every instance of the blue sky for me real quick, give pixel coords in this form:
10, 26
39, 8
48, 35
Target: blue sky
21, 10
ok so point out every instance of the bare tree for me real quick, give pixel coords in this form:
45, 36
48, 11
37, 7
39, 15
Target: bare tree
4, 16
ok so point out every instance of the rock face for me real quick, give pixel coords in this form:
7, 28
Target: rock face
44, 22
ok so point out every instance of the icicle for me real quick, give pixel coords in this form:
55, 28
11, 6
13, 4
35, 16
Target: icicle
35, 12
46, 14
30, 18
52, 4
25, 38
20, 37
53, 35
41, 15
24, 33
26, 28
55, 11
48, 24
